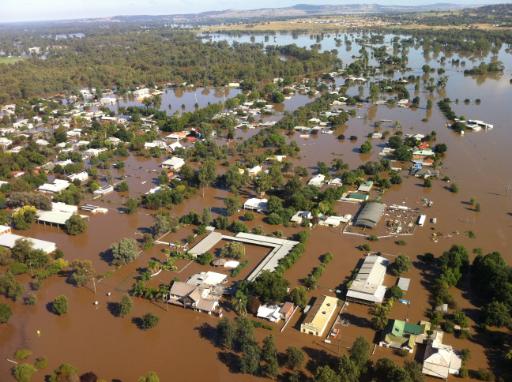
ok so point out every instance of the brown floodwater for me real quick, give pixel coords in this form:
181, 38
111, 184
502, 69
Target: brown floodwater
91, 338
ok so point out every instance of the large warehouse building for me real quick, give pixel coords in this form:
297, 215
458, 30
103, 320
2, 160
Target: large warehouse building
370, 214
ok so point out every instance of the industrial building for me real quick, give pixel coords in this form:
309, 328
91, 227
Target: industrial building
318, 317
370, 214
368, 288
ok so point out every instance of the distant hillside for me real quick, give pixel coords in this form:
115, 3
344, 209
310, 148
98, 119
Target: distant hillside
299, 10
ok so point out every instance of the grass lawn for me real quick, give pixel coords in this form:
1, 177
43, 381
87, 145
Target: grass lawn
10, 60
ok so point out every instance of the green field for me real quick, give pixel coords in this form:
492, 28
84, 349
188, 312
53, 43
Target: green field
10, 60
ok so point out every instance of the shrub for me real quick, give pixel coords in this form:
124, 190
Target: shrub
59, 306
148, 321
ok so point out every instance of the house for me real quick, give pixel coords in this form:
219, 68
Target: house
194, 297
230, 264
366, 186
440, 360
104, 190
317, 180
113, 141
403, 335
175, 146
141, 93
5, 142
300, 216
81, 176
336, 182
207, 278
174, 163
334, 221
59, 214
269, 312
155, 144
42, 142
254, 170
367, 287
57, 186
355, 197
94, 209
256, 204
319, 315
8, 240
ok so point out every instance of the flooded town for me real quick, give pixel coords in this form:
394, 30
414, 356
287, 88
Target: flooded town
305, 193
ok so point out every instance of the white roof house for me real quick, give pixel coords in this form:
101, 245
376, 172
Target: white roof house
81, 176
42, 142
104, 190
207, 278
317, 180
256, 204
254, 170
59, 214
175, 145
8, 240
155, 144
300, 216
269, 312
174, 163
5, 142
57, 186
368, 285
440, 360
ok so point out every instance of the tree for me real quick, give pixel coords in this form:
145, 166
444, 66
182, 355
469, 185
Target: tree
148, 321
294, 358
164, 222
400, 265
366, 147
244, 332
59, 305
226, 333
206, 217
233, 250
9, 287
149, 377
326, 374
5, 313
233, 204
206, 174
81, 272
75, 225
24, 217
250, 359
124, 251
299, 296
64, 373
125, 306
496, 314
360, 352
122, 187
395, 292
270, 287
23, 372
131, 206
269, 357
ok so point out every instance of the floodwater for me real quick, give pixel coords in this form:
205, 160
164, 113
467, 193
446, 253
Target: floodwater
91, 338
178, 99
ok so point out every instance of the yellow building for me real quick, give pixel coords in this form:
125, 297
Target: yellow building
318, 317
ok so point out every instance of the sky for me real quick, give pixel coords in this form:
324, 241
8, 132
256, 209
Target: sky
32, 10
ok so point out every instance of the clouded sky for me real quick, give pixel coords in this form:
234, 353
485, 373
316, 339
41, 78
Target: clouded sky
25, 10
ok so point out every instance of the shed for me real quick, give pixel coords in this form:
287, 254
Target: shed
403, 283
370, 214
